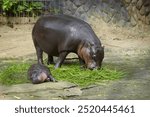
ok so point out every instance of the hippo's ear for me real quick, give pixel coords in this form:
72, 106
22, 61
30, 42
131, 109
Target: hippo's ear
103, 46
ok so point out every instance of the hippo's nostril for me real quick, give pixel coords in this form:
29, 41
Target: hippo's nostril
92, 68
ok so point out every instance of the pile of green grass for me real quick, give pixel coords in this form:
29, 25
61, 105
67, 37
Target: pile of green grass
84, 77
16, 73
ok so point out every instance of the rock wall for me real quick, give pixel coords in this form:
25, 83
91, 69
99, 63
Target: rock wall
109, 10
139, 11
122, 12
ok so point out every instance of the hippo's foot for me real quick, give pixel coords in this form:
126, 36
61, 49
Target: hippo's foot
57, 65
51, 79
82, 66
50, 62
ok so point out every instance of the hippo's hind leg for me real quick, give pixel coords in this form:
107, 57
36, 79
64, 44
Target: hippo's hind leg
61, 59
39, 52
50, 60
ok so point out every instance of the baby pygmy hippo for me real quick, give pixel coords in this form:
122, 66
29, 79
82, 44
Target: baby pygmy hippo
38, 73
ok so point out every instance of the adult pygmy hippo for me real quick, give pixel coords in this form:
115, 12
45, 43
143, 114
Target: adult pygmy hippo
38, 73
58, 35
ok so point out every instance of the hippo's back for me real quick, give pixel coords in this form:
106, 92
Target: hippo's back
55, 33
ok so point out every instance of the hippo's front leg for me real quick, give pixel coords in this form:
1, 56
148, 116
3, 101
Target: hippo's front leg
82, 63
50, 78
61, 59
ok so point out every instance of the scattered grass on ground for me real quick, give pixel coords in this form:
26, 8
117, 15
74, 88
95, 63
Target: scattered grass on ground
16, 73
84, 77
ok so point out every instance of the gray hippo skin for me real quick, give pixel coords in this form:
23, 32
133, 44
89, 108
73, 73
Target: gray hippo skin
58, 35
38, 73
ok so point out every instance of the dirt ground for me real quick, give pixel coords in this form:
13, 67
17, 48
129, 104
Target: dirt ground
17, 41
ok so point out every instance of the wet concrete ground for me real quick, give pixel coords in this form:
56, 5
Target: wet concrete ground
136, 85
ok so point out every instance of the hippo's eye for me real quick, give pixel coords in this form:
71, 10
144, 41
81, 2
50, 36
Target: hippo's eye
94, 56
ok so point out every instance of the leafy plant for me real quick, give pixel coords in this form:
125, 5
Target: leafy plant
8, 5
34, 8
16, 7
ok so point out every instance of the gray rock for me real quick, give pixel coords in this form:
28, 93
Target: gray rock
146, 3
133, 21
32, 88
139, 4
79, 11
134, 2
106, 17
87, 5
124, 14
148, 19
84, 17
142, 10
71, 7
127, 1
122, 23
117, 17
112, 4
67, 12
98, 10
112, 12
147, 10
92, 11
105, 7
134, 13
78, 3
57, 94
59, 90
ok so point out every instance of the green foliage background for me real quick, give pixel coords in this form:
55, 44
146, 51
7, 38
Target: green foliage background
16, 7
